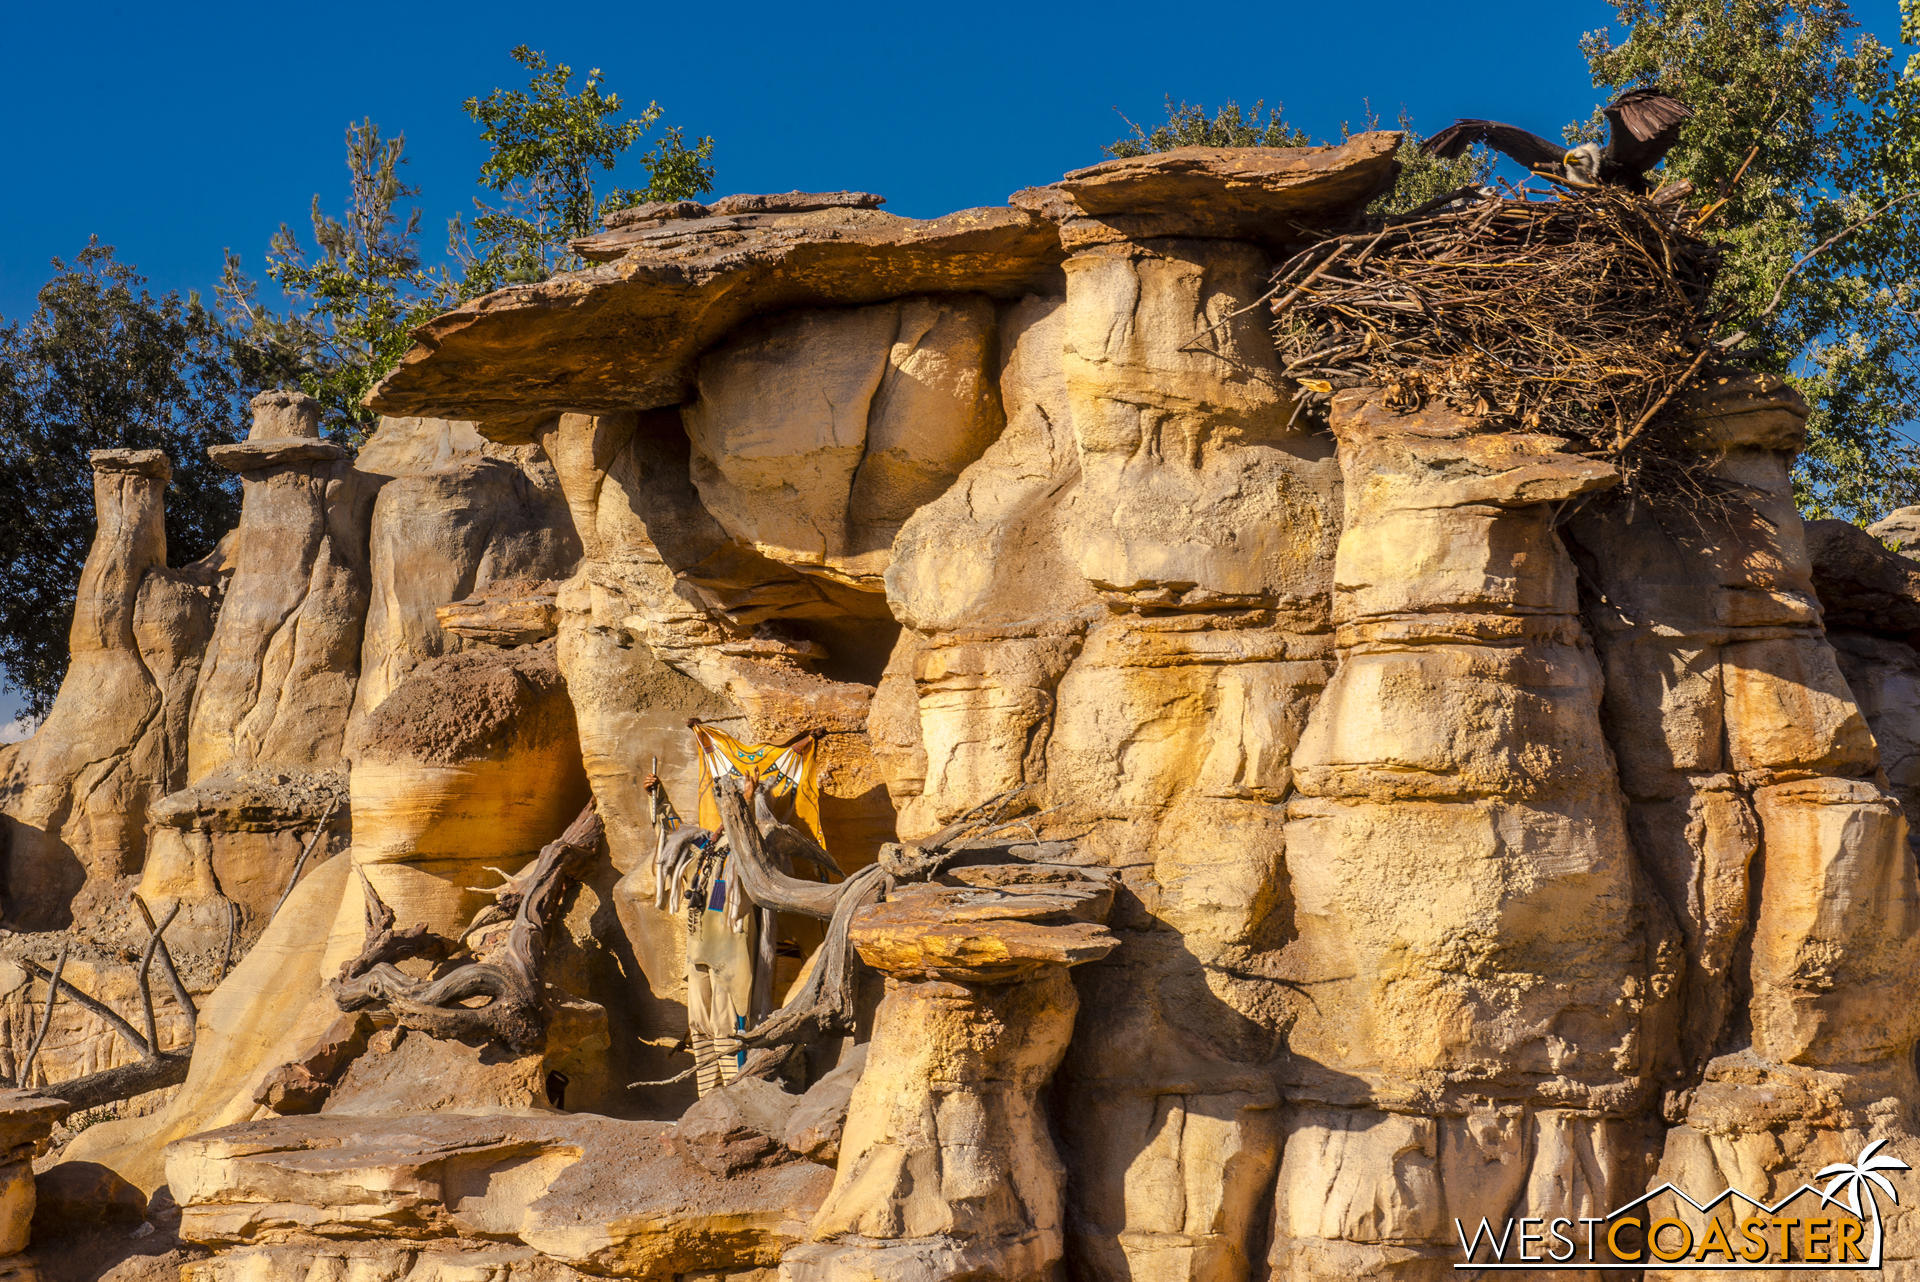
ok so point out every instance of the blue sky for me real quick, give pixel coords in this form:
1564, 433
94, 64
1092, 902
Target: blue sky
175, 131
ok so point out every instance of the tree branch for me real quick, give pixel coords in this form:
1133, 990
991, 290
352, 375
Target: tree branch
1780, 289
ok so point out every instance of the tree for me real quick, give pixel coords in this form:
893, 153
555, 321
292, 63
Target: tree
1421, 177
354, 306
1832, 131
1188, 126
101, 364
547, 143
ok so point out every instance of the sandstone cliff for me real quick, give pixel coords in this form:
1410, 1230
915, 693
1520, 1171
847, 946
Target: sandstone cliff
1392, 818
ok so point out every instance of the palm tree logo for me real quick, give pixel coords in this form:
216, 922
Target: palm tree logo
1863, 1173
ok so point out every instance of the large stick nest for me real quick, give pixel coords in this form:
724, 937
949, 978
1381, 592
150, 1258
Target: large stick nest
1582, 317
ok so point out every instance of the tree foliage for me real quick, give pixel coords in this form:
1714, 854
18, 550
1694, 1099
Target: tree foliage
352, 303
547, 144
1188, 125
101, 364
1421, 177
1833, 131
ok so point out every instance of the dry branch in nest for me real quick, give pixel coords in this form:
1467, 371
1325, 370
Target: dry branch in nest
514, 1012
1582, 318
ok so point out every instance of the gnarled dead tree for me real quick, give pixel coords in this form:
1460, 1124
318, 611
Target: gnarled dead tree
156, 1067
824, 1005
514, 1013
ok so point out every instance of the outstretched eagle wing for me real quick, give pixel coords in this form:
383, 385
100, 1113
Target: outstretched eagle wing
1529, 149
1643, 125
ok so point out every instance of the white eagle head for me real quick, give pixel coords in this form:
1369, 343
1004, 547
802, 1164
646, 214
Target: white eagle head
1583, 165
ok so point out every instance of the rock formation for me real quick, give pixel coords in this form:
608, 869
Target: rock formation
76, 798
1279, 829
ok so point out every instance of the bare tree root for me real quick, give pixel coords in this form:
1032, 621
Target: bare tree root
514, 1013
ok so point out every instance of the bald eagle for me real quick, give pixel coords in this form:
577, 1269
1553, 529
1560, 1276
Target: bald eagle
1642, 126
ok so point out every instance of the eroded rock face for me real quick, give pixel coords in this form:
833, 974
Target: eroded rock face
278, 678
1418, 825
75, 797
816, 441
455, 514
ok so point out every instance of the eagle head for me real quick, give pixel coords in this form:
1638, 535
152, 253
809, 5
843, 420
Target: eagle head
1582, 165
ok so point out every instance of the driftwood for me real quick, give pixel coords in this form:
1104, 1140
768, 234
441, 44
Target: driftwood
824, 1006
155, 1068
301, 862
168, 1068
755, 843
385, 945
514, 1013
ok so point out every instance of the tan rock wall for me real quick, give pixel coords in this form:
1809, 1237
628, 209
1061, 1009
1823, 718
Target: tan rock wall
817, 438
74, 799
454, 513
1484, 840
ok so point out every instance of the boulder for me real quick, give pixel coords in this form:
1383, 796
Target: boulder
738, 1127
507, 613
1900, 527
537, 1181
1254, 194
26, 1120
474, 760
80, 1197
1863, 587
819, 1120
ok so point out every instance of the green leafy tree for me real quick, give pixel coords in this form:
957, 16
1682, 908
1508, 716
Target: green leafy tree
352, 303
1188, 125
548, 143
1821, 231
1421, 177
101, 364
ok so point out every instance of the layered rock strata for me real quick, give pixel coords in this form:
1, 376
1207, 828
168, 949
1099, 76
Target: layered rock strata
1481, 838
1488, 978
1767, 823
947, 1169
26, 1120
527, 1196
